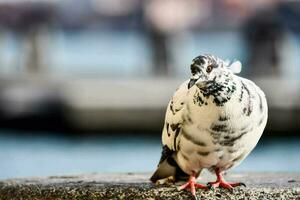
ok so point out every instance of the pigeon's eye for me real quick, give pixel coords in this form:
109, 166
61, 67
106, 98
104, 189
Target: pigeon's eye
209, 68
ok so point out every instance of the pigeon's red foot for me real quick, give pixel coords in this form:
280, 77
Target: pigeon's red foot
220, 182
192, 185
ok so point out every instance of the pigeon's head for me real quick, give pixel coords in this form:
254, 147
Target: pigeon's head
208, 69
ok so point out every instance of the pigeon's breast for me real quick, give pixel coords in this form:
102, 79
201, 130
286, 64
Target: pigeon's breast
217, 145
222, 136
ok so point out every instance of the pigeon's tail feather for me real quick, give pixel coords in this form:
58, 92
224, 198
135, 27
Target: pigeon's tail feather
163, 170
168, 168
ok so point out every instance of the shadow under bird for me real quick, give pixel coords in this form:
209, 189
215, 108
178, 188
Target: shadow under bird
213, 121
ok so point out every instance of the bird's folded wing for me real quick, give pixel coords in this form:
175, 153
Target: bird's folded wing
174, 117
170, 136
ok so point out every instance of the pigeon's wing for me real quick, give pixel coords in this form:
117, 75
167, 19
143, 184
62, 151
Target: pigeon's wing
172, 129
174, 117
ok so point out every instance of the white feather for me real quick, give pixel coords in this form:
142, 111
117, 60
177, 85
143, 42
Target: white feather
235, 67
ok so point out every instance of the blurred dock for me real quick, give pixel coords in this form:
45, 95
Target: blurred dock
120, 104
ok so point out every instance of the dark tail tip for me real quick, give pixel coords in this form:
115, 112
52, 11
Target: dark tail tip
154, 178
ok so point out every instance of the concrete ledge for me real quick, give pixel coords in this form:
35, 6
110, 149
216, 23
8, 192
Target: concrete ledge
137, 186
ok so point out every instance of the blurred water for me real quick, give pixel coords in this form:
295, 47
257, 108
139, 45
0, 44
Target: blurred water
117, 53
48, 154
129, 52
103, 52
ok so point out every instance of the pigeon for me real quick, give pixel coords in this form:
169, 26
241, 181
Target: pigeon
213, 121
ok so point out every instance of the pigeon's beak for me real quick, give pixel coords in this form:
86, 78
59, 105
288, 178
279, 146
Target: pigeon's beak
192, 82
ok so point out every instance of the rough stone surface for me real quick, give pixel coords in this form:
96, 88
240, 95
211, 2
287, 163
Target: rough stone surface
137, 186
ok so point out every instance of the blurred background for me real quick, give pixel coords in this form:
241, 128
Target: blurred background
84, 84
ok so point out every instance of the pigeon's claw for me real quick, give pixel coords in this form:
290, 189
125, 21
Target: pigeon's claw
220, 182
192, 185
224, 184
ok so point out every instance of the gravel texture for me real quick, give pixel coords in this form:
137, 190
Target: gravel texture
137, 186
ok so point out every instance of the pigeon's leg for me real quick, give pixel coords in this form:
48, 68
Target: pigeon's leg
220, 182
192, 185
